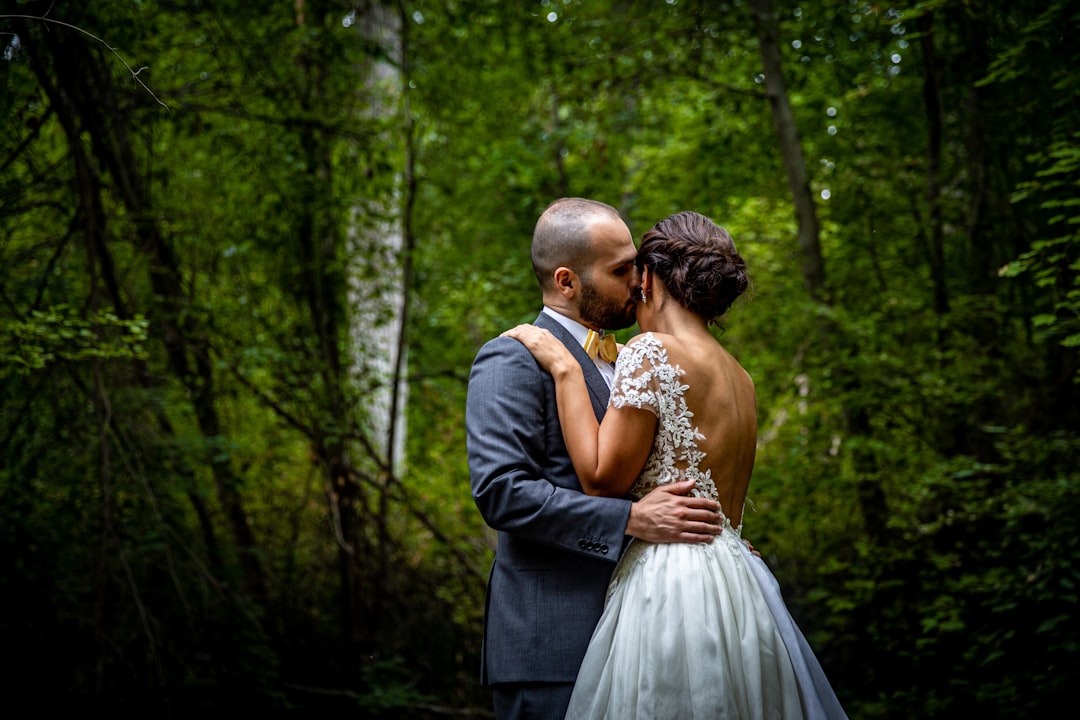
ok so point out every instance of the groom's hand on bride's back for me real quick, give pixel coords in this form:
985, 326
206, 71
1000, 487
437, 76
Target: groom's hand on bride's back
668, 514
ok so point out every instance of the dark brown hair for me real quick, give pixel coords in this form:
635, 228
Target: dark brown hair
697, 261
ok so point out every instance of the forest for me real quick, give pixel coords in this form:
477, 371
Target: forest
249, 250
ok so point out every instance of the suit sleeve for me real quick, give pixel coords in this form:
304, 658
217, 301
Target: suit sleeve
514, 442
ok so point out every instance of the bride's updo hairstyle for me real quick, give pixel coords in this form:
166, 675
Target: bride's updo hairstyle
697, 261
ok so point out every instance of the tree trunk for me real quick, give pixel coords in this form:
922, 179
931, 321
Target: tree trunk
932, 102
380, 273
872, 500
813, 264
322, 290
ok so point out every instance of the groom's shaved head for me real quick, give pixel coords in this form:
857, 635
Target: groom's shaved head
561, 237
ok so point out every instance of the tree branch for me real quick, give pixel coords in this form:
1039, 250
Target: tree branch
134, 73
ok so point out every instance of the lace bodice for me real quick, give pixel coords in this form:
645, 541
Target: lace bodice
645, 379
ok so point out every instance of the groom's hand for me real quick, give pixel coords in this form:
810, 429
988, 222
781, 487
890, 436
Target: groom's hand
668, 515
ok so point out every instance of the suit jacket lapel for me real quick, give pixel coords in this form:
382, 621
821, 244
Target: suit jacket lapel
598, 389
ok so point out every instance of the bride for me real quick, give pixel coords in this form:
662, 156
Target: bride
688, 631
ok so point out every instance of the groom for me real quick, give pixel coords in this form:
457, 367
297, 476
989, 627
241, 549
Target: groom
557, 547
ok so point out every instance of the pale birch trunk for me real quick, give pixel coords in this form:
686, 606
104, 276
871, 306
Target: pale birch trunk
376, 272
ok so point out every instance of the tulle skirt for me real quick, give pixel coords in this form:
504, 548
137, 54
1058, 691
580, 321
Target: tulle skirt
698, 631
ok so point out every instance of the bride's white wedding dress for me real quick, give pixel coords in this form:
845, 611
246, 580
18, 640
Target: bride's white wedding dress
692, 631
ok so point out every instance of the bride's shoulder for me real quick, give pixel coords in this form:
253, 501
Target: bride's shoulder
651, 345
651, 338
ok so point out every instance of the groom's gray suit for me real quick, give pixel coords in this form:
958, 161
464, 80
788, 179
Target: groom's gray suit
557, 547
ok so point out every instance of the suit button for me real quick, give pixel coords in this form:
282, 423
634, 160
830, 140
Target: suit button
603, 549
581, 542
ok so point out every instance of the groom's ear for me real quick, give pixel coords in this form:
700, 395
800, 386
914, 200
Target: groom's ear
566, 281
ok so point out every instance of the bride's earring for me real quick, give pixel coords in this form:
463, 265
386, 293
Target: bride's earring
641, 292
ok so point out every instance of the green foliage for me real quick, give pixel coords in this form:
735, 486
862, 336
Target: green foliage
1054, 263
185, 427
59, 335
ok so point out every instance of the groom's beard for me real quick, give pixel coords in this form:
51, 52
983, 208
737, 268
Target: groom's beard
604, 312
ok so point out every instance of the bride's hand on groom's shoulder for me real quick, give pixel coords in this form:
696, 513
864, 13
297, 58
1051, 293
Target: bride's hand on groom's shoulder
549, 352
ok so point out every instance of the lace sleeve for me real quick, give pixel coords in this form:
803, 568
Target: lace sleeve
638, 374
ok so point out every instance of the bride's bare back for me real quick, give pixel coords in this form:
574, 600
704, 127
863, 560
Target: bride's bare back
721, 395
697, 373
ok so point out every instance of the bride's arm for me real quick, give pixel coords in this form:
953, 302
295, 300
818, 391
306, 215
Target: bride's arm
607, 458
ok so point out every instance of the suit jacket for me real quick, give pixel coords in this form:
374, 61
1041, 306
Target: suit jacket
557, 547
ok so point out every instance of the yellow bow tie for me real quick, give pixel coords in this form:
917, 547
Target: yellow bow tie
602, 345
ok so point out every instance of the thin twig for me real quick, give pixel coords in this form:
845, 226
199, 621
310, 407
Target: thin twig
107, 46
